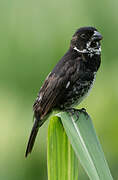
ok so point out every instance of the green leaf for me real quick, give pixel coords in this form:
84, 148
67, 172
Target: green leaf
61, 159
86, 145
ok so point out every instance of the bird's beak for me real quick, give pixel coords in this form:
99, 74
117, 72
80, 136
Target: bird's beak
96, 36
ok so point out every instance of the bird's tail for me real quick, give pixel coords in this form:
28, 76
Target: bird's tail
32, 137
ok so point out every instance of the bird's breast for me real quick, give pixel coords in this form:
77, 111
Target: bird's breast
77, 92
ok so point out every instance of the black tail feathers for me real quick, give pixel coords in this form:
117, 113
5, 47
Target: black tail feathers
32, 137
37, 124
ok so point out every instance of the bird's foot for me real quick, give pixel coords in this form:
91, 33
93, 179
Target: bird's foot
76, 112
73, 112
83, 110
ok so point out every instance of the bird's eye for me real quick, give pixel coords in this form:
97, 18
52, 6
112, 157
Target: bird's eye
83, 36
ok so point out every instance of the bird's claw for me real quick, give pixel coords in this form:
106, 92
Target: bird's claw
76, 112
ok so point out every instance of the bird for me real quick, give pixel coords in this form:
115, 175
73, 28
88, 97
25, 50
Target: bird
70, 80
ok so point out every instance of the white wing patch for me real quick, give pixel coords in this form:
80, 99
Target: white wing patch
68, 84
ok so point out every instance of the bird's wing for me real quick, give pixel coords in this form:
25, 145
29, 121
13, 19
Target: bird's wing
49, 94
53, 89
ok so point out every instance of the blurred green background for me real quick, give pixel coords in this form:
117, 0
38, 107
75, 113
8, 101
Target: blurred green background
34, 35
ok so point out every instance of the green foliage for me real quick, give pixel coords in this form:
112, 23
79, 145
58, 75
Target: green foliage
86, 145
62, 161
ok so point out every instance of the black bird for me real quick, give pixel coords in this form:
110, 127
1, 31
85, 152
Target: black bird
70, 80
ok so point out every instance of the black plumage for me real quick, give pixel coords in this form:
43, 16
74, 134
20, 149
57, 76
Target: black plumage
71, 79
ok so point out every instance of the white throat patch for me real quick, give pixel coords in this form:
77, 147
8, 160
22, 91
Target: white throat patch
90, 50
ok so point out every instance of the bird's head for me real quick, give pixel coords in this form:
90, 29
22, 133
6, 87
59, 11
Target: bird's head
87, 40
